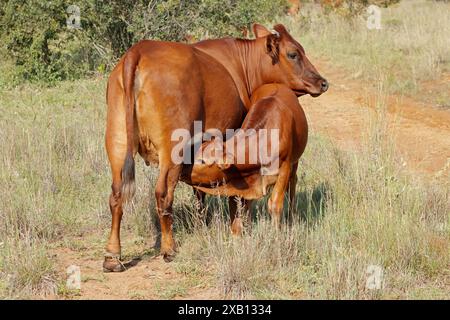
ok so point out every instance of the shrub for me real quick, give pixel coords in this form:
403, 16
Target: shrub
353, 7
35, 36
34, 33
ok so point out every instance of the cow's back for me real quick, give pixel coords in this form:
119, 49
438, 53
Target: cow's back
174, 85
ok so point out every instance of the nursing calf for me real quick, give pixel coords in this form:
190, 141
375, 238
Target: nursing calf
244, 167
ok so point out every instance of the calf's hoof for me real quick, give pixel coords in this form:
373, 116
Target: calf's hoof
237, 227
113, 264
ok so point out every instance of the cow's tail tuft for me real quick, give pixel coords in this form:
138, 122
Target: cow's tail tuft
128, 171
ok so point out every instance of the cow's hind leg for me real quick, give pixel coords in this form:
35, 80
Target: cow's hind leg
112, 261
164, 194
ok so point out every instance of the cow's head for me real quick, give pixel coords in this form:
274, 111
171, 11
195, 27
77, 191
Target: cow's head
285, 62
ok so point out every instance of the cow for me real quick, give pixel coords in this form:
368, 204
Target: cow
158, 87
226, 168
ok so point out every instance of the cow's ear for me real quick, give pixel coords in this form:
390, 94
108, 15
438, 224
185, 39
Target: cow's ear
273, 47
281, 29
260, 31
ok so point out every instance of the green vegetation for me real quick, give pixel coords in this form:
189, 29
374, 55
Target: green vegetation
35, 34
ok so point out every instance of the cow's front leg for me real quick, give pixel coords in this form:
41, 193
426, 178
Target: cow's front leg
164, 193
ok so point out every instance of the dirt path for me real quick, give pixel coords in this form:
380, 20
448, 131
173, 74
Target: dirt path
422, 136
421, 132
147, 275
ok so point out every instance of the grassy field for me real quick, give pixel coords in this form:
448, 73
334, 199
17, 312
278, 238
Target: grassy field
355, 209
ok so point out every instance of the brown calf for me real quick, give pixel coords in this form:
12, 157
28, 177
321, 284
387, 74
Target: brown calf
274, 107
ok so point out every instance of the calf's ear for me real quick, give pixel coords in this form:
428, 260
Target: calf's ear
260, 31
224, 166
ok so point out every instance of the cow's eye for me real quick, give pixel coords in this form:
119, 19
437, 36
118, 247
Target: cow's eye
292, 55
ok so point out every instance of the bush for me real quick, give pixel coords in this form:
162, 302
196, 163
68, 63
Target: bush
353, 7
34, 33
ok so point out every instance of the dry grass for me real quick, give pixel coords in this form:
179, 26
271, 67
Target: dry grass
52, 163
412, 46
355, 210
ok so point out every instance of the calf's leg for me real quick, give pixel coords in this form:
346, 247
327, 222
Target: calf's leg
292, 186
237, 224
276, 200
200, 199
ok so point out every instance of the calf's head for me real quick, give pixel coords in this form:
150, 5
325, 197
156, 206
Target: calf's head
284, 61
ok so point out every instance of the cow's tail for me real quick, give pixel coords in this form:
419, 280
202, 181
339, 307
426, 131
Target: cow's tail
128, 172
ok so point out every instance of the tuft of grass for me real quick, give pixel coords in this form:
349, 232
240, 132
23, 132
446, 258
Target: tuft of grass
26, 269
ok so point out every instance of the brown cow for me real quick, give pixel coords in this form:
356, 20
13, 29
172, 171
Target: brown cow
158, 87
274, 106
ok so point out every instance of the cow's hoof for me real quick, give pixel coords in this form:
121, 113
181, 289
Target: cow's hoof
113, 264
168, 257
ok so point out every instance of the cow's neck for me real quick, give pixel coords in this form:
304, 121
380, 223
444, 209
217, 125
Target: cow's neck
249, 53
241, 58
